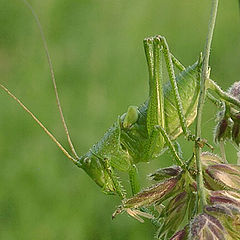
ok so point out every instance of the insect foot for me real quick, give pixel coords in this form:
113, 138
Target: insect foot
201, 142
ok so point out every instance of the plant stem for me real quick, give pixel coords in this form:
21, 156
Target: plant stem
223, 95
204, 76
214, 100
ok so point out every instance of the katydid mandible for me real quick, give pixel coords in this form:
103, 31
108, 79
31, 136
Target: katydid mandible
135, 136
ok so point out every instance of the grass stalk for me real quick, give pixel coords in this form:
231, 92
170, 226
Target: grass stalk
204, 76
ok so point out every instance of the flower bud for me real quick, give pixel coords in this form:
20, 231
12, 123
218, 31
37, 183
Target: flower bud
156, 193
224, 197
164, 173
205, 226
236, 132
173, 215
234, 90
229, 216
208, 158
223, 129
222, 177
149, 196
180, 235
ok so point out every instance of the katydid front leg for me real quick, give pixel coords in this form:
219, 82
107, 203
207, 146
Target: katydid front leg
134, 179
130, 118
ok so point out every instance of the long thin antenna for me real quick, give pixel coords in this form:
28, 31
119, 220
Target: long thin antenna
52, 76
39, 123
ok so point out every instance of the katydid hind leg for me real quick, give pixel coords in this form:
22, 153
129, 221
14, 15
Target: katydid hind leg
177, 63
170, 145
155, 112
130, 118
178, 149
155, 49
172, 78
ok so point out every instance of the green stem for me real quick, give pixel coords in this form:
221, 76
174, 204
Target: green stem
223, 95
204, 76
214, 100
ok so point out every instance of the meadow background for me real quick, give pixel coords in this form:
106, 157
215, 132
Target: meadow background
97, 52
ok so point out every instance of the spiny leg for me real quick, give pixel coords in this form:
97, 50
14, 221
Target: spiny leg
159, 130
155, 113
117, 184
170, 145
177, 63
134, 179
151, 60
172, 78
178, 148
155, 49
130, 118
181, 67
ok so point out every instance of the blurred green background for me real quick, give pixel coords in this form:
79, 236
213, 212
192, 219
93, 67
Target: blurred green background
97, 52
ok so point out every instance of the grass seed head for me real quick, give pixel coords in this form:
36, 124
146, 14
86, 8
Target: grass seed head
222, 177
205, 226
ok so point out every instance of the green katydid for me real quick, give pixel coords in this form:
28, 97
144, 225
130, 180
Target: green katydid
136, 136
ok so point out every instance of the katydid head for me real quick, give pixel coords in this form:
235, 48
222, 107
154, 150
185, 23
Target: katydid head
93, 166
